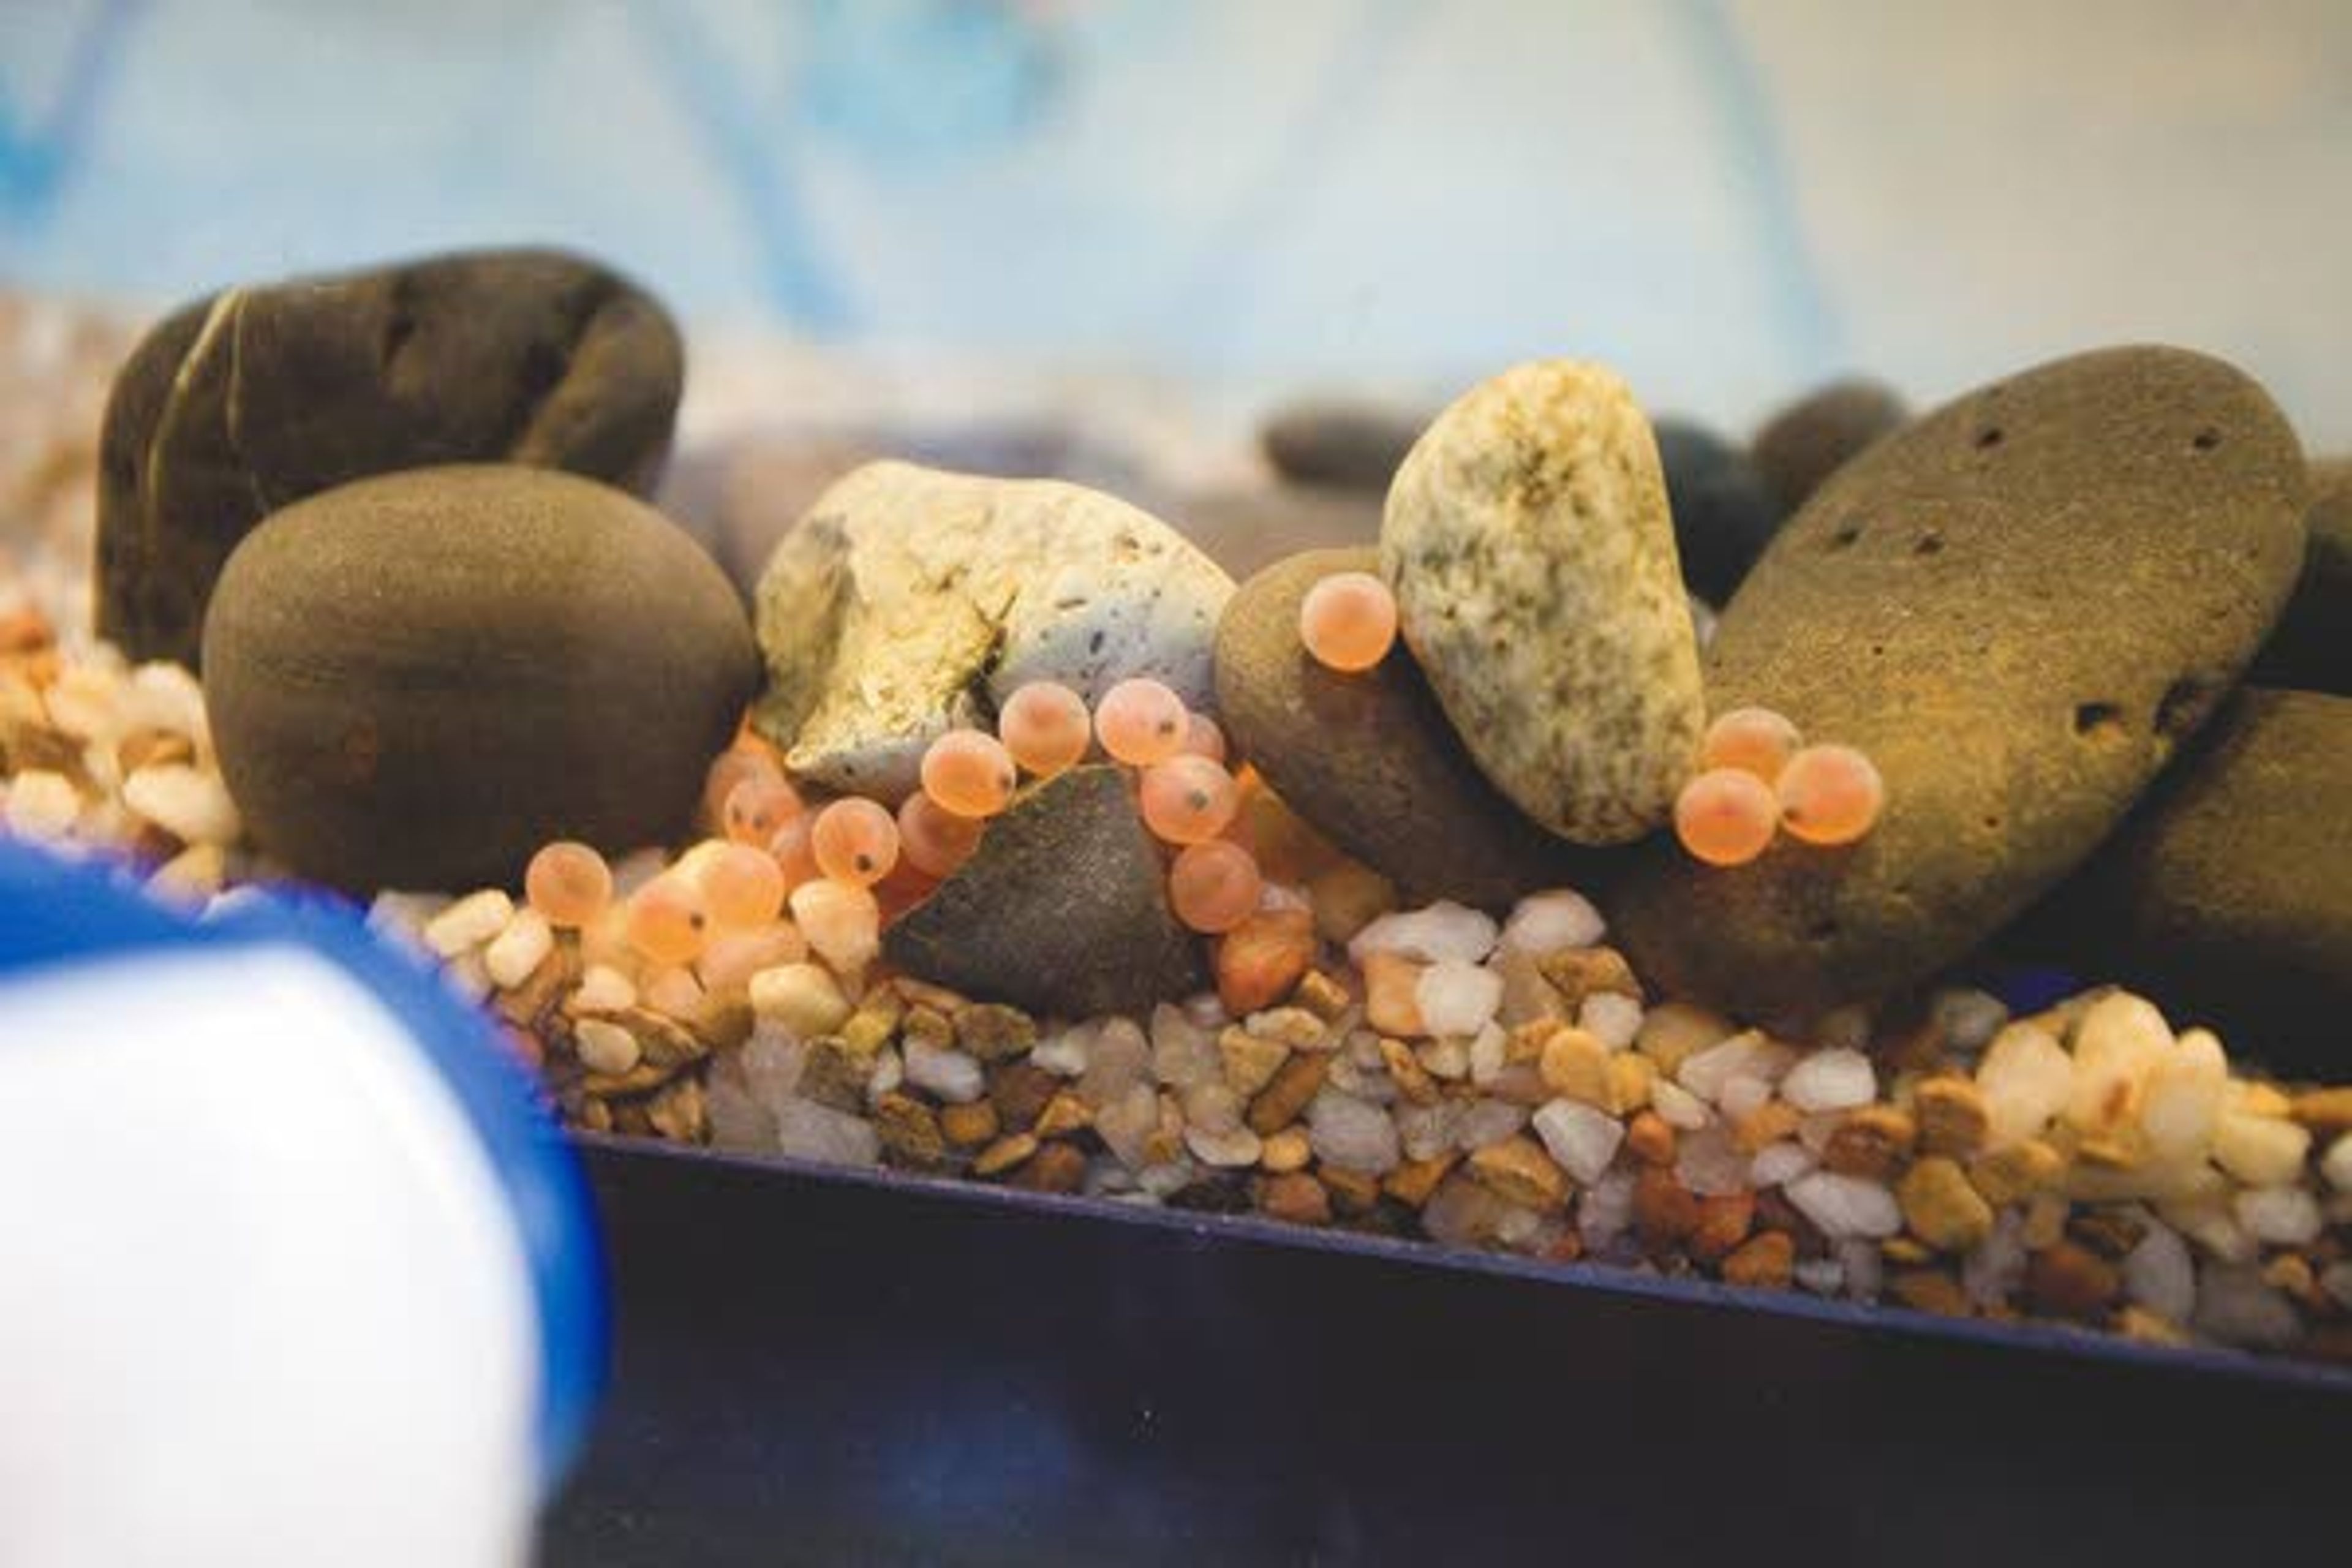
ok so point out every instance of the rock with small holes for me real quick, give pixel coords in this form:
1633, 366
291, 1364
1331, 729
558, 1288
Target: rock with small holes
1529, 541
2228, 897
2021, 607
248, 400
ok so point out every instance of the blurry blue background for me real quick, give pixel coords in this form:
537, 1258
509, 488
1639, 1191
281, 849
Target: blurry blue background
1727, 200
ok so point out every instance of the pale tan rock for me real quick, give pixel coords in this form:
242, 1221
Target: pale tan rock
909, 601
1528, 538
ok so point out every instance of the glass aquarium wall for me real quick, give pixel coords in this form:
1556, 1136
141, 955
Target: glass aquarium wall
1729, 201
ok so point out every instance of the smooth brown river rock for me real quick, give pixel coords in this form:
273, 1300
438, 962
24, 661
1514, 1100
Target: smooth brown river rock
2019, 606
416, 680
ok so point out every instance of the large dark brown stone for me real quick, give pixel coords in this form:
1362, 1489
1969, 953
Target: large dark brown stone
1723, 512
2311, 649
1350, 444
416, 680
1063, 909
253, 399
2020, 608
1371, 759
2228, 896
1806, 442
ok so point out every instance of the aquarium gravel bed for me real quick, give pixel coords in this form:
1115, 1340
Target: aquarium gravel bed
1407, 956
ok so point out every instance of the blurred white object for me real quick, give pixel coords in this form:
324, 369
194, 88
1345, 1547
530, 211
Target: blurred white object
295, 1272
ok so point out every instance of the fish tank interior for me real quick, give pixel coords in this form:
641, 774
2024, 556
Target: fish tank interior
1242, 779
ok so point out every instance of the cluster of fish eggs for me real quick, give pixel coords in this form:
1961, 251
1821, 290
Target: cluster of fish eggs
1758, 778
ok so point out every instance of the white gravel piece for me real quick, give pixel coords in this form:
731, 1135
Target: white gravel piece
163, 696
1458, 998
1232, 1149
2336, 1163
890, 1076
1488, 1122
1352, 1134
82, 702
516, 952
1679, 1107
2026, 1078
405, 915
1489, 1052
1183, 1052
673, 991
1776, 1164
2212, 1224
2184, 1097
1212, 1107
2159, 1274
1711, 1165
1119, 1058
2282, 1217
1277, 896
1835, 1079
1612, 1017
470, 923
1866, 1269
1207, 1010
1350, 1075
605, 1047
2119, 1041
1448, 1059
772, 1063
808, 1131
2259, 1150
1428, 1130
950, 1074
739, 1124
1064, 1055
2238, 1307
602, 989
1461, 1213
1822, 1276
1444, 929
1992, 1273
1583, 1139
1744, 1094
1127, 1124
1605, 1209
804, 999
1846, 1207
1704, 1073
1551, 921
187, 802
1167, 1179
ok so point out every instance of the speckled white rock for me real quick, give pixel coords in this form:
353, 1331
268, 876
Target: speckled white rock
1528, 541
909, 601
